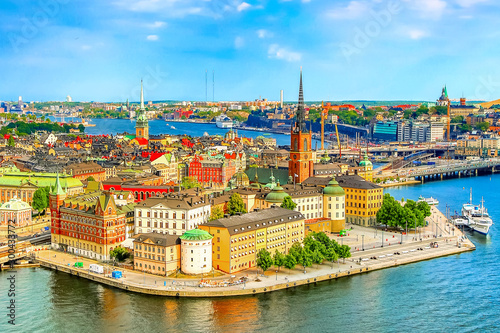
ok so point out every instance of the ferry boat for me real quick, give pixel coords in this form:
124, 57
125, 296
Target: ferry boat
479, 219
223, 121
431, 201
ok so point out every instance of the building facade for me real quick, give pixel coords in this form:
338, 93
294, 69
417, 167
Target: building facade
157, 253
89, 224
171, 215
238, 239
17, 211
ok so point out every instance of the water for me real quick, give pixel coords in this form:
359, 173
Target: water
156, 127
458, 293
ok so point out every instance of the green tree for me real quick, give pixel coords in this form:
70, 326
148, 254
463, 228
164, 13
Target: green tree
264, 260
296, 251
483, 126
279, 259
190, 182
457, 119
290, 261
235, 205
288, 203
119, 253
306, 260
217, 213
317, 257
10, 141
91, 179
391, 212
331, 255
40, 201
344, 252
81, 128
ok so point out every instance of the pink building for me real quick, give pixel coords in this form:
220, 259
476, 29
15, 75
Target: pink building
17, 210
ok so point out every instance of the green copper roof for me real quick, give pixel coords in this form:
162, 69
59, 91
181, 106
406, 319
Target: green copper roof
277, 195
58, 189
333, 189
446, 91
38, 179
196, 235
365, 161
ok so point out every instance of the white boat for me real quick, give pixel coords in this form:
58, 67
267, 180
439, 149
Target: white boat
479, 219
431, 201
223, 121
172, 127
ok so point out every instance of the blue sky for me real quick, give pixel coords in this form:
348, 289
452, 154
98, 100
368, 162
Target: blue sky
362, 49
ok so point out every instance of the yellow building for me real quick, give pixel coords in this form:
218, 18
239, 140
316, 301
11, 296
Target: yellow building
363, 199
157, 253
367, 172
238, 239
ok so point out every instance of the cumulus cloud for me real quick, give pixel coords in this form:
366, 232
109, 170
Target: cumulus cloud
431, 9
469, 3
277, 52
157, 24
417, 34
353, 10
152, 37
243, 6
263, 33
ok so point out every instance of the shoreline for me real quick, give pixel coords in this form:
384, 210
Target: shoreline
408, 182
250, 289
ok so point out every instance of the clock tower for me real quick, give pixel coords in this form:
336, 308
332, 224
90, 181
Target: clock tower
301, 164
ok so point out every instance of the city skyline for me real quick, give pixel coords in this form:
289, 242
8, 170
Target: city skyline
381, 50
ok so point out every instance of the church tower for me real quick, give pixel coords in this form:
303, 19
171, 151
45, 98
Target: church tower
301, 165
56, 198
141, 124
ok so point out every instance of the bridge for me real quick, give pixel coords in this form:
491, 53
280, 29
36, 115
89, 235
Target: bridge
456, 169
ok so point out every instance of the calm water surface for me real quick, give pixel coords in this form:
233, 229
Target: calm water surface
113, 126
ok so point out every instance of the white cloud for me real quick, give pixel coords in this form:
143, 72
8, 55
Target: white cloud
171, 8
277, 52
243, 6
152, 37
239, 42
417, 34
263, 33
353, 10
86, 47
469, 3
428, 9
157, 24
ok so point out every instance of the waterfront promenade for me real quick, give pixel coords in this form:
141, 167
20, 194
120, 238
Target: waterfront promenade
450, 240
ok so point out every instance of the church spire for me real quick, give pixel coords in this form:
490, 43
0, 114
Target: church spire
300, 121
58, 188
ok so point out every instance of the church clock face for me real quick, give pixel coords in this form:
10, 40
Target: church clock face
294, 157
305, 156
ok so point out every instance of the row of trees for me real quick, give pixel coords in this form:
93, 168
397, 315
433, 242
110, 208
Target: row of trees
316, 248
412, 214
24, 128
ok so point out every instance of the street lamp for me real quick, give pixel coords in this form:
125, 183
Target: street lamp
382, 238
363, 242
276, 275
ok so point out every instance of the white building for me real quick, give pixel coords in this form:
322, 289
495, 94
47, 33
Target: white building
171, 215
196, 252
